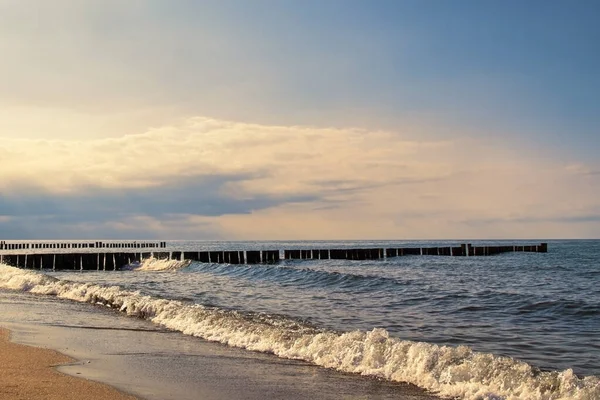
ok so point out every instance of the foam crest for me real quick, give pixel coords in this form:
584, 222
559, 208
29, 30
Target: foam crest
455, 372
155, 264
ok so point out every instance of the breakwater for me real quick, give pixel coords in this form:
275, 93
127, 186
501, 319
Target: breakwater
80, 245
100, 259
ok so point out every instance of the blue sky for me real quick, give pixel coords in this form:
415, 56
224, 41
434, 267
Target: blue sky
494, 91
529, 67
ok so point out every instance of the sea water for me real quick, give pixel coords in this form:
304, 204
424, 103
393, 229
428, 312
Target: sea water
510, 326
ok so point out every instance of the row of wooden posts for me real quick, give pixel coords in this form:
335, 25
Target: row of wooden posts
375, 254
81, 245
115, 261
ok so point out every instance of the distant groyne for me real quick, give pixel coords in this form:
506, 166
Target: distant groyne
102, 260
80, 245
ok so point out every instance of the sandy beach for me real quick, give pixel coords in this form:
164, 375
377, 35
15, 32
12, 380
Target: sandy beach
29, 373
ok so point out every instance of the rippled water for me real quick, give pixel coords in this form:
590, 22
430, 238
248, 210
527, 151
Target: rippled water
543, 309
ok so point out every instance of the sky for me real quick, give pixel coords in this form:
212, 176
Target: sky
284, 119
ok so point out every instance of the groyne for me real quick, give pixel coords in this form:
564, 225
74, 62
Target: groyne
102, 260
4, 245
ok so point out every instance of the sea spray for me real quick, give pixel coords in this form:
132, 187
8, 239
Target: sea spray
447, 371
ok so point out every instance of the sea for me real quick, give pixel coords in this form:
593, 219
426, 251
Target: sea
508, 326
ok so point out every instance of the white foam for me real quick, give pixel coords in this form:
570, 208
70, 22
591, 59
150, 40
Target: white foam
155, 264
448, 371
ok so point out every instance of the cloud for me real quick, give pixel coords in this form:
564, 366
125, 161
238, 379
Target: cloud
582, 169
565, 219
192, 195
206, 147
176, 206
226, 179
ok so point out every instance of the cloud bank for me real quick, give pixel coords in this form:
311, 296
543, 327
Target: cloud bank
207, 178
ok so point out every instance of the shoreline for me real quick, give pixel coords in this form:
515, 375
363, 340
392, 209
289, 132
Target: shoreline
145, 360
28, 372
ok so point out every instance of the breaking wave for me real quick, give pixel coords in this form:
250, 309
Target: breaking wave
446, 371
155, 264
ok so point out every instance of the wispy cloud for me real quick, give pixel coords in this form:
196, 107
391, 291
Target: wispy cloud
566, 219
582, 169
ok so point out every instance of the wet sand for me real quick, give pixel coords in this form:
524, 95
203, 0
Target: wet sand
28, 373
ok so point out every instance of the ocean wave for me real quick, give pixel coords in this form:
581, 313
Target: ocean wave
155, 264
447, 371
305, 277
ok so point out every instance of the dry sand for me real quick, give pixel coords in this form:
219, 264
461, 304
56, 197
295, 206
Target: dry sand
27, 373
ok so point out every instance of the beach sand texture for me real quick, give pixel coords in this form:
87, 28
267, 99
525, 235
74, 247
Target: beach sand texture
27, 373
